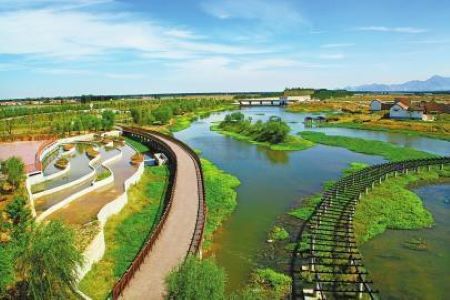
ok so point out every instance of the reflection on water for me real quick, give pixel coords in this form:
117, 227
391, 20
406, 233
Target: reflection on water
272, 180
402, 273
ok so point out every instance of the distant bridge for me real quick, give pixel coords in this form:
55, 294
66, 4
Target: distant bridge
265, 102
273, 101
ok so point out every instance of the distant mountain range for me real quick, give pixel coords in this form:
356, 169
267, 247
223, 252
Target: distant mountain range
433, 84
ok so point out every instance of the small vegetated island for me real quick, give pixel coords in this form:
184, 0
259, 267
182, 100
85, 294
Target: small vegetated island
274, 133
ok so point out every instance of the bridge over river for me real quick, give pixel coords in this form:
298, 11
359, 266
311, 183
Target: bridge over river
180, 229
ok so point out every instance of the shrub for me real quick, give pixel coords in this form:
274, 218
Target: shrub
61, 163
91, 152
278, 233
197, 279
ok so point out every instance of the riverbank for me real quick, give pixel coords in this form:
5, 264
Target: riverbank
387, 150
220, 198
183, 122
126, 231
435, 130
292, 143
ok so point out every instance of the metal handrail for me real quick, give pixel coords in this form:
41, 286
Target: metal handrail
158, 140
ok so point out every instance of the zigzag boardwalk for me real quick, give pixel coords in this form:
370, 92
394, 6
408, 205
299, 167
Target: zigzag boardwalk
180, 229
326, 263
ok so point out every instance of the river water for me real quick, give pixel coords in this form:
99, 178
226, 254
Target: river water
414, 274
271, 181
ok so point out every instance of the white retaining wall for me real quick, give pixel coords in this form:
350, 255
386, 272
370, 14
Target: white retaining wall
94, 186
96, 249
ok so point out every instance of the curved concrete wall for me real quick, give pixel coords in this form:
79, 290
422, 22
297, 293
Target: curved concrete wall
96, 249
94, 185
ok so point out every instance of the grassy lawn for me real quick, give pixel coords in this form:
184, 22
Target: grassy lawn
136, 145
220, 198
126, 231
292, 142
392, 205
387, 150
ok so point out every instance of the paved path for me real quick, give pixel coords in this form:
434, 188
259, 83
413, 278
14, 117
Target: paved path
171, 247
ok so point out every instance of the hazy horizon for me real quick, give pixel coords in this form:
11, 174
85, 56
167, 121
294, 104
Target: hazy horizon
74, 47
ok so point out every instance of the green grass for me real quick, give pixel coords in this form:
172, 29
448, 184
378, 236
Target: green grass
387, 150
307, 207
266, 284
392, 205
220, 198
278, 234
292, 142
181, 123
126, 231
136, 145
103, 175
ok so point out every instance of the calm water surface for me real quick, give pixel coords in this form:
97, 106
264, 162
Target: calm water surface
272, 180
402, 273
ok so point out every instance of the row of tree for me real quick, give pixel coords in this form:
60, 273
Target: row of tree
167, 109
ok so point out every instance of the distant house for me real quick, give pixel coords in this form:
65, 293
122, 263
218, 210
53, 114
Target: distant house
404, 109
378, 105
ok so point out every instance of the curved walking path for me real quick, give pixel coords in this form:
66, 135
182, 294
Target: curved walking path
173, 243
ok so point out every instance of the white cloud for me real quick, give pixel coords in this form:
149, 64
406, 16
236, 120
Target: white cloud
392, 29
337, 45
74, 34
267, 11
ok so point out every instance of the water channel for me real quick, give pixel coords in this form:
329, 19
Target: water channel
271, 181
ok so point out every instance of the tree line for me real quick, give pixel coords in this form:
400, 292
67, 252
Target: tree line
273, 131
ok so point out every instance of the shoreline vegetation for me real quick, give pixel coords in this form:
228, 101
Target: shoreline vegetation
126, 231
183, 122
372, 147
273, 134
220, 198
389, 126
353, 113
391, 205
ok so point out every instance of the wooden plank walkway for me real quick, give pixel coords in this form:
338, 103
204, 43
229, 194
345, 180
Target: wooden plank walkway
171, 247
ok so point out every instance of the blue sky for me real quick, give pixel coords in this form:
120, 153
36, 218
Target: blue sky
73, 47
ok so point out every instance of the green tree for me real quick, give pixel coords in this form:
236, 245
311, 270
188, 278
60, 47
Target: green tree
197, 279
6, 268
108, 119
49, 262
163, 114
14, 169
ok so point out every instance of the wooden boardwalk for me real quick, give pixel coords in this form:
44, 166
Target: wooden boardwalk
174, 241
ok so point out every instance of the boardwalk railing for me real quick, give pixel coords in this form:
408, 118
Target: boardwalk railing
326, 262
156, 141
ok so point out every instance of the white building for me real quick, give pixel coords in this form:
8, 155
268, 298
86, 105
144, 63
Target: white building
378, 105
402, 110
